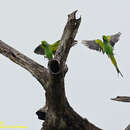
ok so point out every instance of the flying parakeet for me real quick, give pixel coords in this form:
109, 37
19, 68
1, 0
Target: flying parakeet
106, 46
48, 50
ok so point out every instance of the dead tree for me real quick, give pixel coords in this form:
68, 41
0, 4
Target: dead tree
128, 127
57, 112
123, 99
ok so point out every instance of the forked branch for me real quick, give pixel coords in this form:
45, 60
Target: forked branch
57, 113
56, 97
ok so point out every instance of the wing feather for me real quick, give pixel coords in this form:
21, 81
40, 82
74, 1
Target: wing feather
114, 38
39, 50
91, 44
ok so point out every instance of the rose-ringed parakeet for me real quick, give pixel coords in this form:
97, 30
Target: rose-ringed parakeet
106, 46
48, 50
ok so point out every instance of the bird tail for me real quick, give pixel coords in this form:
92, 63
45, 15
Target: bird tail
115, 64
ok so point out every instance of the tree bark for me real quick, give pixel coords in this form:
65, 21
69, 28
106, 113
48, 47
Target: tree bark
37, 70
121, 99
128, 127
57, 112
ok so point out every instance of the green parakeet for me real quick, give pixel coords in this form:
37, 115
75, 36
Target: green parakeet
106, 46
48, 50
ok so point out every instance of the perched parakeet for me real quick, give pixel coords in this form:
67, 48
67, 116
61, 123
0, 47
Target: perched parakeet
106, 46
48, 50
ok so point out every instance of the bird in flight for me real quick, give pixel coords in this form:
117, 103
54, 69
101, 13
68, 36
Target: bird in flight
106, 45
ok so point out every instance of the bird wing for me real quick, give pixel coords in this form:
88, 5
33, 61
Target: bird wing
54, 46
39, 50
114, 38
92, 44
101, 44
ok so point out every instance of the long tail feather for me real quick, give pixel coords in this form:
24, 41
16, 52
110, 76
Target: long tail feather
119, 72
115, 64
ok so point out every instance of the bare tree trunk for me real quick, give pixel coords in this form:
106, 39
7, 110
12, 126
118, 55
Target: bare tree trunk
57, 112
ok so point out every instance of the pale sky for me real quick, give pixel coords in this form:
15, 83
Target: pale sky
91, 80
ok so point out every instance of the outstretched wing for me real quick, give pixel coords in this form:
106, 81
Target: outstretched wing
92, 44
114, 38
39, 50
54, 46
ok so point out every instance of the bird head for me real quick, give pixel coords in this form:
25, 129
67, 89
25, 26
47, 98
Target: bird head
104, 38
44, 43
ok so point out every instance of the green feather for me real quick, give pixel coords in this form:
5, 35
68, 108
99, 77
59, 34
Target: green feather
100, 43
54, 46
106, 46
109, 51
49, 49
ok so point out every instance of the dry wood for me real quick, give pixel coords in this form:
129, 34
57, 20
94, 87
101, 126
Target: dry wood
57, 113
121, 99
